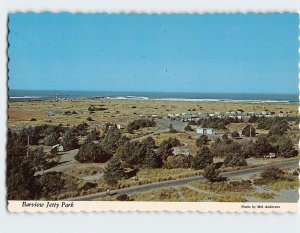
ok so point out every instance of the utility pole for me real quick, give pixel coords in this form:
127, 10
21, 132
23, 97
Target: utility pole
27, 153
250, 131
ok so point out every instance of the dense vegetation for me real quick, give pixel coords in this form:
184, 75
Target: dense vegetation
22, 164
26, 154
140, 123
91, 152
217, 123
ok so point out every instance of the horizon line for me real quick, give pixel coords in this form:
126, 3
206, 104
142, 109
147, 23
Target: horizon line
266, 93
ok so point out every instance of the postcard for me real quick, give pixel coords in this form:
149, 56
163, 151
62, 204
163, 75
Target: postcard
153, 112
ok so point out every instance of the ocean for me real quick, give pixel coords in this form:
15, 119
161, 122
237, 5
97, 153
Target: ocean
35, 95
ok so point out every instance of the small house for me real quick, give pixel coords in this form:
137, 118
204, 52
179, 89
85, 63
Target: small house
181, 151
207, 131
120, 126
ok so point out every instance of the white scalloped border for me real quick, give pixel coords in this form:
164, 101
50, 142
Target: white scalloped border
293, 208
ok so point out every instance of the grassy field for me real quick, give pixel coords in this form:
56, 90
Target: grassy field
122, 111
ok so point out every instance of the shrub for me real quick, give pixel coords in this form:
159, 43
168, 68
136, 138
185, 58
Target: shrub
88, 185
122, 197
140, 123
201, 141
175, 162
93, 108
171, 129
225, 139
81, 129
188, 128
272, 174
149, 142
235, 134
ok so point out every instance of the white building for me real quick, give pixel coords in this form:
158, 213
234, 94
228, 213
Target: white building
58, 147
120, 126
207, 131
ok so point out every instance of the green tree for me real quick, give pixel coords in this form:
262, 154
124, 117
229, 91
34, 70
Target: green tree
262, 146
16, 146
248, 149
51, 139
286, 147
133, 153
69, 140
152, 160
92, 153
210, 173
165, 148
223, 148
31, 133
50, 184
20, 180
38, 159
92, 136
202, 159
235, 160
247, 129
279, 129
112, 140
113, 171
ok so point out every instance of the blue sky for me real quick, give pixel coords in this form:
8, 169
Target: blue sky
251, 53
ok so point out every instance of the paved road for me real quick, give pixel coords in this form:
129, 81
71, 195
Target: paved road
291, 163
67, 160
